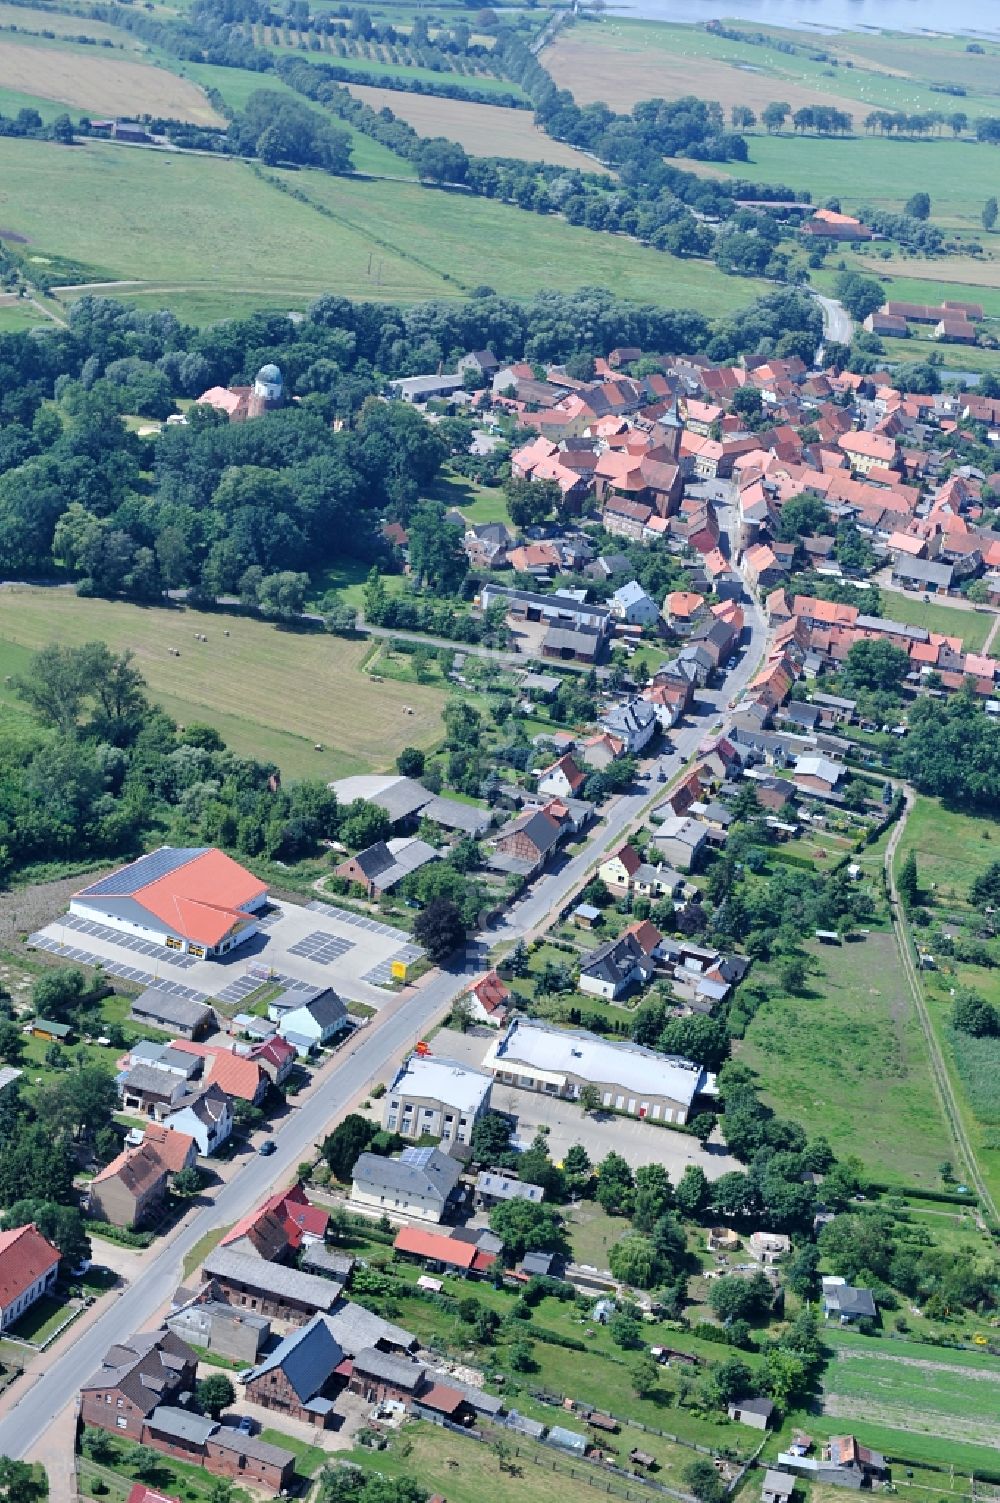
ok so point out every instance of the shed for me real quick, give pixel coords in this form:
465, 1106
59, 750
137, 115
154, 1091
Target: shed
586, 916
777, 1487
642, 1458
45, 1028
567, 1440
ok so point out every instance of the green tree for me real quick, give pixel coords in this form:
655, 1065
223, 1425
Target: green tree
440, 929
633, 1261
645, 1377
491, 1138
692, 1191
615, 1185
989, 214
11, 1043
346, 1143
19, 1482
793, 975
908, 881
526, 1227
214, 1394
625, 1331
774, 115
918, 206
410, 762
972, 1014
187, 1182
653, 1196
875, 665
700, 1476
589, 1099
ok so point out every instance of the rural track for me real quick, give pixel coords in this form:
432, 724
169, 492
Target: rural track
939, 1070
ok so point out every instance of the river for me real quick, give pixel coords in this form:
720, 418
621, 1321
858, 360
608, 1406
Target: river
975, 17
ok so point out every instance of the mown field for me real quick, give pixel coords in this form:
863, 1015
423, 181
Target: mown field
271, 693
87, 79
848, 1061
115, 212
483, 129
972, 626
959, 175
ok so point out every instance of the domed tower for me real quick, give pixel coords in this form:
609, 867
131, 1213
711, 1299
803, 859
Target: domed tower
268, 386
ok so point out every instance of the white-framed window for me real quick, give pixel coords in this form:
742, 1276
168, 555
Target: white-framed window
122, 1422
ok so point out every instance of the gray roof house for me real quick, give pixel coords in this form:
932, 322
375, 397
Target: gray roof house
634, 723
679, 841
843, 1302
493, 1186
420, 1183
292, 1378
614, 966
315, 1023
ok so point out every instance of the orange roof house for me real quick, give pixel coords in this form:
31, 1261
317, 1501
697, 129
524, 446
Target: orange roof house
433, 1247
489, 997
188, 898
237, 1075
175, 1150
280, 1225
28, 1267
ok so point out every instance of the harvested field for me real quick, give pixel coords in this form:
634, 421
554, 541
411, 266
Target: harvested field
483, 129
620, 68
102, 84
25, 18
271, 693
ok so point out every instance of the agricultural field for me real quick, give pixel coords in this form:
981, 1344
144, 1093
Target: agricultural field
848, 1061
26, 18
622, 61
114, 212
959, 175
483, 129
271, 693
952, 848
85, 79
956, 1401
468, 239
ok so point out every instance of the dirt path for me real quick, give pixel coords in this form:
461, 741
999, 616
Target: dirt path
939, 1070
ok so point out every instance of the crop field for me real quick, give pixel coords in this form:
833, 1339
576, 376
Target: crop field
924, 1396
65, 24
483, 129
848, 1061
86, 80
621, 61
271, 693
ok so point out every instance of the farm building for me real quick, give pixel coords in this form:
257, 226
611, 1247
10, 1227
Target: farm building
194, 899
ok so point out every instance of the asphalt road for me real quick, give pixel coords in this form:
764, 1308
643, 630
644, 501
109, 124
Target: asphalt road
838, 326
38, 1401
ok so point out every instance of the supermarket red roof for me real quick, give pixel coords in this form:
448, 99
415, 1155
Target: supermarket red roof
413, 1239
25, 1256
198, 893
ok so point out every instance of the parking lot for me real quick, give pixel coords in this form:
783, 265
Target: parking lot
311, 943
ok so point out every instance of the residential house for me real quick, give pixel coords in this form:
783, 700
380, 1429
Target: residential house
271, 1289
179, 1016
633, 723
928, 575
149, 1091
493, 1186
207, 1117
536, 1056
563, 779
777, 1487
525, 844
147, 1369
438, 1096
319, 1022
129, 1190
754, 1412
817, 774
682, 608
614, 967
488, 1000
631, 604
279, 1227
275, 1056
29, 1267
422, 1183
846, 1304
618, 870
598, 752
222, 1066
175, 1150
680, 841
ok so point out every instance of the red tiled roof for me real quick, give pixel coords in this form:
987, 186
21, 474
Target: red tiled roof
293, 1209
140, 1493
490, 992
413, 1239
236, 1075
171, 1148
25, 1256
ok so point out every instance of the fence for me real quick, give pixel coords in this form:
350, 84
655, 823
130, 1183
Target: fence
602, 1476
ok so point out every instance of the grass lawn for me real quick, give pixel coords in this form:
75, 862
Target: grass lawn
972, 626
308, 1459
954, 357
271, 693
178, 1479
14, 317
848, 1062
43, 1320
202, 1248
592, 1233
477, 503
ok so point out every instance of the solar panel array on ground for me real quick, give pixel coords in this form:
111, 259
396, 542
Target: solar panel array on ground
359, 920
381, 974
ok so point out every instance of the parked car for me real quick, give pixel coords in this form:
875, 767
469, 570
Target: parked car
268, 1147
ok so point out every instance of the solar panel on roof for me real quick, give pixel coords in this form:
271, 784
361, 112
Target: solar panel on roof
140, 873
418, 1157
